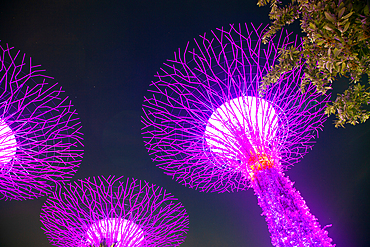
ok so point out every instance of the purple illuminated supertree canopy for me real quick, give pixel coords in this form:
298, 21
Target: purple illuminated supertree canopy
208, 125
124, 212
40, 138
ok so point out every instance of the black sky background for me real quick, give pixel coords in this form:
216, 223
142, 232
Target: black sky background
104, 54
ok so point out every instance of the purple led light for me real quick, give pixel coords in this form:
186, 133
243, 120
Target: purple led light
8, 143
288, 218
207, 125
40, 138
127, 212
121, 230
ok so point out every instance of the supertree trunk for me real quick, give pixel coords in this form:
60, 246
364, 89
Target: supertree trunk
289, 219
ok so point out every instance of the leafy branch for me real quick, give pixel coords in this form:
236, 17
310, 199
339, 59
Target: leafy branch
337, 44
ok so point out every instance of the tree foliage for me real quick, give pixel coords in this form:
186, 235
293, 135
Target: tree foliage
337, 44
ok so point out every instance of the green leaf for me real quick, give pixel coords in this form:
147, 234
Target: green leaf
336, 52
341, 12
366, 10
343, 22
346, 27
347, 15
361, 37
327, 28
312, 25
343, 67
320, 42
330, 17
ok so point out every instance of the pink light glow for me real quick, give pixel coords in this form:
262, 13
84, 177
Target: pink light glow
40, 138
124, 233
8, 144
113, 210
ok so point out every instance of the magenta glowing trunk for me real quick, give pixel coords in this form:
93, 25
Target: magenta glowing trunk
207, 124
288, 217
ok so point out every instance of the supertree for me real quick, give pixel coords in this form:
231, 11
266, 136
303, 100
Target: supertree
209, 126
114, 211
40, 138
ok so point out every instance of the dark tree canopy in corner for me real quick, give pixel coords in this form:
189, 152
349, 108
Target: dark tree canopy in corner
337, 44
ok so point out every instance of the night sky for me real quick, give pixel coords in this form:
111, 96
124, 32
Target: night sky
105, 53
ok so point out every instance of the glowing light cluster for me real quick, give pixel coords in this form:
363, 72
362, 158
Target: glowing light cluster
40, 138
125, 212
8, 144
121, 230
209, 127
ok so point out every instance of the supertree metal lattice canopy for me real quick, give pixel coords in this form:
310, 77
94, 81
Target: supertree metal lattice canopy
207, 124
125, 212
40, 138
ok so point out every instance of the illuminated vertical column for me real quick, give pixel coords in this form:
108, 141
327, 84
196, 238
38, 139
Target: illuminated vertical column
288, 218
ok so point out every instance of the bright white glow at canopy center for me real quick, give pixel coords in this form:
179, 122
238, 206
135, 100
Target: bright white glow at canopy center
247, 119
120, 231
8, 143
